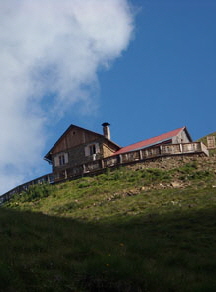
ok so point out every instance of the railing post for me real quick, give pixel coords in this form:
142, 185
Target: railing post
120, 158
180, 148
141, 155
65, 174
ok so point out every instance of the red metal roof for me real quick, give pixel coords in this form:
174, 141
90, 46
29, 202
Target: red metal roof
149, 142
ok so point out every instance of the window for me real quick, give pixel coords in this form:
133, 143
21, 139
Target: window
92, 149
61, 159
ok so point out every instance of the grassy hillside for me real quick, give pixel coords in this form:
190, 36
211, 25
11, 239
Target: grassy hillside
133, 229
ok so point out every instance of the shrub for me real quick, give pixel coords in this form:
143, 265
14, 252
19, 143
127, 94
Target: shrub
65, 208
36, 192
155, 175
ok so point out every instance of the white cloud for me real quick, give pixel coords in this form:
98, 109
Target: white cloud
50, 48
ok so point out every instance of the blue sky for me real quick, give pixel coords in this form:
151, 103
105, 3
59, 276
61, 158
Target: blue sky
166, 77
145, 72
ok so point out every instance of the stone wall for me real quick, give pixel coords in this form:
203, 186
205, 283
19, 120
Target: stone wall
177, 161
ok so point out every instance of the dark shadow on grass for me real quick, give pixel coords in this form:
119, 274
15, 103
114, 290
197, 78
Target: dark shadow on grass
154, 253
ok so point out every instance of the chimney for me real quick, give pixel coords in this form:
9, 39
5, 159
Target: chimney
106, 130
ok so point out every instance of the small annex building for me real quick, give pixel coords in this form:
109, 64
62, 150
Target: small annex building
177, 136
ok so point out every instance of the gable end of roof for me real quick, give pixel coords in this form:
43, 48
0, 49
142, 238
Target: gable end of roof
48, 156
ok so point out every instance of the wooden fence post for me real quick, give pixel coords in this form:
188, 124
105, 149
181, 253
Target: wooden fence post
140, 155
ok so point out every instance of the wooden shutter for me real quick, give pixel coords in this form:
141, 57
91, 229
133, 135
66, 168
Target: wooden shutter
87, 151
66, 157
97, 147
211, 141
56, 161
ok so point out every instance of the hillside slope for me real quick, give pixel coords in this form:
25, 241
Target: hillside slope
119, 192
148, 227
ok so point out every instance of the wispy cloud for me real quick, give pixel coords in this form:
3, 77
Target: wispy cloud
51, 52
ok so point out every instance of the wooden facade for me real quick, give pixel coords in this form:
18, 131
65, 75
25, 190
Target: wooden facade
78, 146
211, 142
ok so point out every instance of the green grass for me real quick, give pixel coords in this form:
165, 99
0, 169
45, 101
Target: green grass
126, 230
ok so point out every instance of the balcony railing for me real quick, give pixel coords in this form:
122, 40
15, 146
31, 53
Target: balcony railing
133, 157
